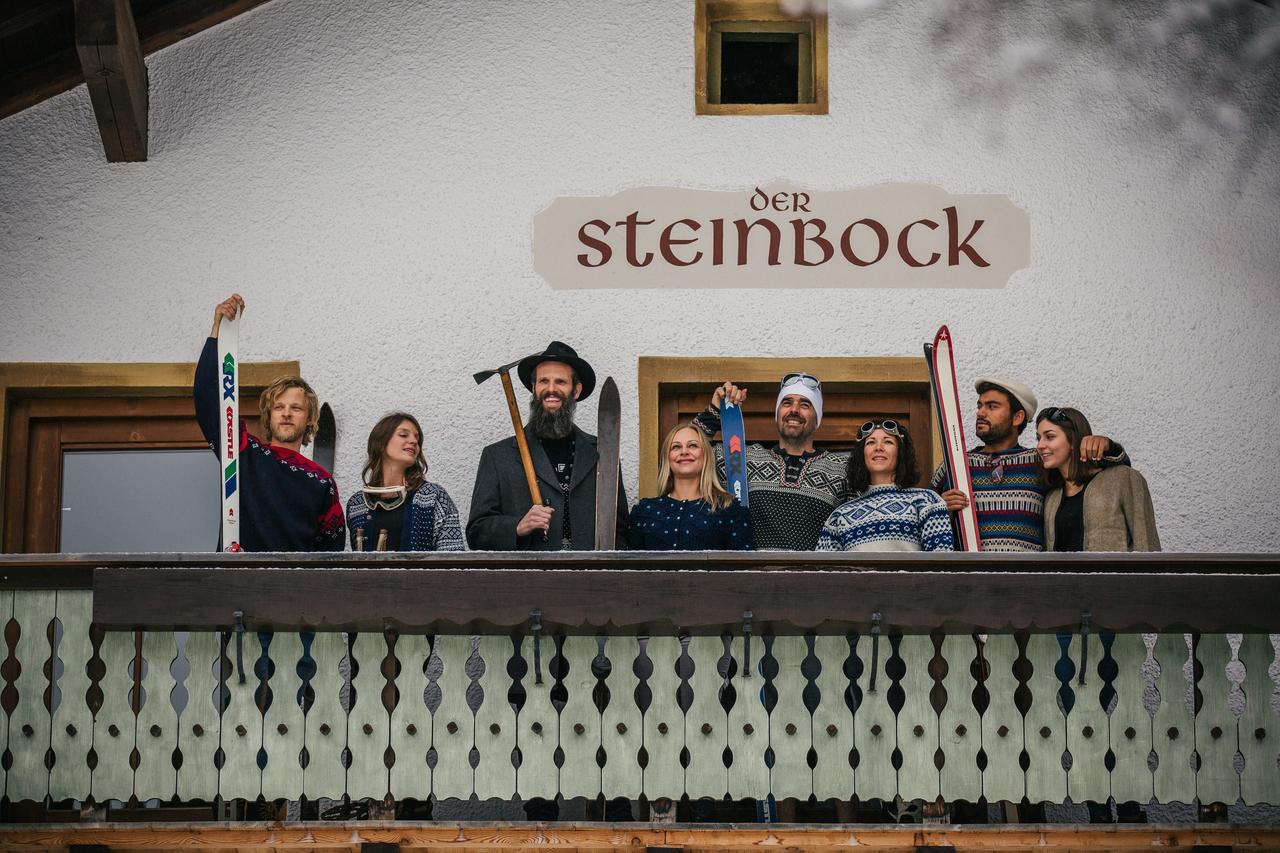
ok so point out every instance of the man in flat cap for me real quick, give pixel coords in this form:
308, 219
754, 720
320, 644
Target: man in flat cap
503, 517
1006, 491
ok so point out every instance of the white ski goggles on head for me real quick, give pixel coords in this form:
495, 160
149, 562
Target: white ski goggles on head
802, 379
384, 497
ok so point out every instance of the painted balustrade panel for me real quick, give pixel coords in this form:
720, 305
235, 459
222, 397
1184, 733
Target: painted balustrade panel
72, 729
959, 723
326, 731
1002, 778
833, 719
115, 723
790, 723
1086, 723
30, 649
1216, 779
537, 724
1259, 724
613, 715
411, 719
579, 720
706, 722
1130, 729
453, 731
283, 724
875, 724
495, 773
1173, 725
663, 721
368, 735
1044, 727
748, 722
622, 732
200, 721
157, 738
918, 737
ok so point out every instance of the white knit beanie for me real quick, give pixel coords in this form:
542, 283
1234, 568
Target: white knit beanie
799, 389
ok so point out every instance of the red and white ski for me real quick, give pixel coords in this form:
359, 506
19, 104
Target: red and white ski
942, 371
229, 359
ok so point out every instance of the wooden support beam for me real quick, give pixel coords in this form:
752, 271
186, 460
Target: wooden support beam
111, 58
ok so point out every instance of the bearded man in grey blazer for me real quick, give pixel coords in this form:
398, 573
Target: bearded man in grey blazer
503, 515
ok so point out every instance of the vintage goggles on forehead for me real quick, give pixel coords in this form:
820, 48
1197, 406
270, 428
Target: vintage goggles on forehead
802, 379
889, 426
384, 497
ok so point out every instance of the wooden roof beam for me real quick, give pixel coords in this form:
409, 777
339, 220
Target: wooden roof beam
111, 58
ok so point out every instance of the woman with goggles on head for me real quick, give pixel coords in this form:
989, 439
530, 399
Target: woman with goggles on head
398, 510
1088, 507
693, 511
889, 513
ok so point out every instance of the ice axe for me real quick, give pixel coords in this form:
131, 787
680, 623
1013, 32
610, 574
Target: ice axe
521, 442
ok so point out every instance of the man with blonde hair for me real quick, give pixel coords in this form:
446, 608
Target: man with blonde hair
288, 502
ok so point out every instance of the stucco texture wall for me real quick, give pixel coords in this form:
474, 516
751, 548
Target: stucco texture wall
367, 175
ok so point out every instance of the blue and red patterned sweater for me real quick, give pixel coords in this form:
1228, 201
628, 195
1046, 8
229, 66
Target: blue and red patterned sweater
287, 502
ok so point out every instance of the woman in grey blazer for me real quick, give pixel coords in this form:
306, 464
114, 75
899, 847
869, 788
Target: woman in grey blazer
1087, 507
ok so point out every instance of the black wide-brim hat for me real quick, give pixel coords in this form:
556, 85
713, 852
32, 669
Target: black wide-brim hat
561, 352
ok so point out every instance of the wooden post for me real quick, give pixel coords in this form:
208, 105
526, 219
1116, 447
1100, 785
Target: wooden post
111, 57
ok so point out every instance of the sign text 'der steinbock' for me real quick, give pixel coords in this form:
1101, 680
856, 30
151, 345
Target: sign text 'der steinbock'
891, 235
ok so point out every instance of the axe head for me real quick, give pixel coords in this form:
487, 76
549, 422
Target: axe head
488, 374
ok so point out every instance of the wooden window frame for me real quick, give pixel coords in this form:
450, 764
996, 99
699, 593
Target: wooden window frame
712, 18
876, 373
104, 381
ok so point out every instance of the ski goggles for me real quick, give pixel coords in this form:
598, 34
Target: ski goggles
802, 379
384, 497
889, 426
1057, 415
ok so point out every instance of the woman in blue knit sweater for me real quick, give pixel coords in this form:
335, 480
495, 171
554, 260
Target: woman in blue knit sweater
398, 510
694, 512
889, 514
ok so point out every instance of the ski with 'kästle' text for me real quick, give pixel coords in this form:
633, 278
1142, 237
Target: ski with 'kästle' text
229, 409
946, 395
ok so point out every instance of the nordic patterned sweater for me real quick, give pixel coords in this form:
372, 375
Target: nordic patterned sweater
430, 521
786, 512
287, 502
1008, 497
887, 518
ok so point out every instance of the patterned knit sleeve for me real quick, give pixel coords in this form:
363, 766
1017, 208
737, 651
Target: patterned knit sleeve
831, 538
447, 535
935, 524
708, 420
330, 525
357, 517
938, 481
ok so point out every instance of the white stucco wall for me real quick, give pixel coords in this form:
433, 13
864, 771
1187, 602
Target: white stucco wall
367, 174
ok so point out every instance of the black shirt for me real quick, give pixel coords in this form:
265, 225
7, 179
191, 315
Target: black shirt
1068, 525
390, 520
560, 452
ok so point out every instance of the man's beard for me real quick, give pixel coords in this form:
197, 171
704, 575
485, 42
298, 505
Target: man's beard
994, 433
557, 424
796, 433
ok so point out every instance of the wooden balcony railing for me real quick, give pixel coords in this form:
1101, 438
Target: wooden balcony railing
953, 677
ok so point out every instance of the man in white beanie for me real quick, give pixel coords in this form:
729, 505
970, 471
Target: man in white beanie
1007, 493
793, 485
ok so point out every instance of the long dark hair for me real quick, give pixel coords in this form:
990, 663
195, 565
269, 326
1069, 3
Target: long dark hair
381, 433
905, 475
1074, 426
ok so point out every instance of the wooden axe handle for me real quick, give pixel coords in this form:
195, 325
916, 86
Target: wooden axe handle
521, 442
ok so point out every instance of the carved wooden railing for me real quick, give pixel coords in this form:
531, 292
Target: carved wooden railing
958, 677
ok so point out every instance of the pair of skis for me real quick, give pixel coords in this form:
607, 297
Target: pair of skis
946, 395
229, 411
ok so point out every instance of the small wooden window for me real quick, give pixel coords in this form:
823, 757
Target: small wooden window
751, 58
